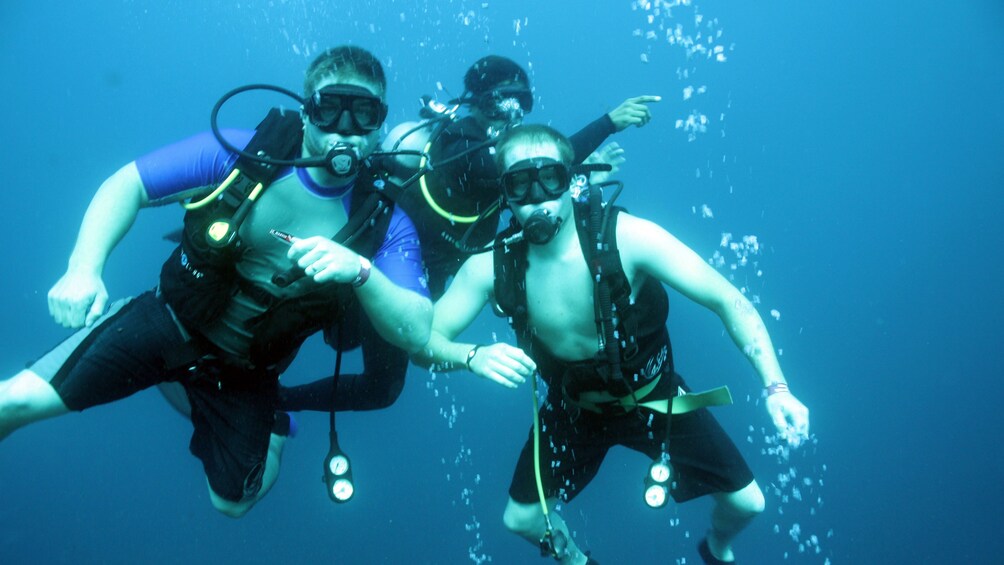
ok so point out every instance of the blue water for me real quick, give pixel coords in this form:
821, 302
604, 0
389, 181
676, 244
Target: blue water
860, 142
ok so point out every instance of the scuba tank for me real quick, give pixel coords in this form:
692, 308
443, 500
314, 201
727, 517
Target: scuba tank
408, 143
411, 136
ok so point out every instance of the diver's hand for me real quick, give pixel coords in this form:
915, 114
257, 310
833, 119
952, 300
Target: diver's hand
500, 362
324, 260
610, 154
633, 112
77, 299
790, 416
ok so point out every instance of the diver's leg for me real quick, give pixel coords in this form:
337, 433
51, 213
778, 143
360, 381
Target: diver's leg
26, 398
272, 462
118, 355
174, 394
733, 511
237, 434
527, 521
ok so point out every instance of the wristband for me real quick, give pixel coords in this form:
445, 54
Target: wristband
774, 388
471, 354
364, 272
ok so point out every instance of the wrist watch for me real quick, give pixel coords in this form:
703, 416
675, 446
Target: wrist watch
364, 272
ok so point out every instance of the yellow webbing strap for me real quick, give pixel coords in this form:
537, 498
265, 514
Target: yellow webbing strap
682, 403
690, 401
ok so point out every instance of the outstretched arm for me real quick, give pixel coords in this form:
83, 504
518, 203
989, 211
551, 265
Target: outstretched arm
647, 249
79, 297
632, 112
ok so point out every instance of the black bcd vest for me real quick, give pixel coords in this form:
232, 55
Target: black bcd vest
198, 280
596, 224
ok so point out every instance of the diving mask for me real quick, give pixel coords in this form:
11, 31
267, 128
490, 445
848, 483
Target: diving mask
345, 109
536, 180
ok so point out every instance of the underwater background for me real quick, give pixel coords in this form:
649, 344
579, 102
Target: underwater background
853, 151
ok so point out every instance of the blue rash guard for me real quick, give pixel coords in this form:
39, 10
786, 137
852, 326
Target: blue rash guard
293, 203
195, 166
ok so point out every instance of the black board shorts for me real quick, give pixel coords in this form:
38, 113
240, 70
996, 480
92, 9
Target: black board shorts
133, 347
575, 442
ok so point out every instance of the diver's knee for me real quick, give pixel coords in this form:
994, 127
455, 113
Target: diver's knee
521, 518
392, 393
749, 500
26, 395
175, 395
231, 510
230, 507
276, 443
14, 399
381, 396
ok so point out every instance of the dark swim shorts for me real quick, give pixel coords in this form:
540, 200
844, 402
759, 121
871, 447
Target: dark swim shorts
574, 443
133, 347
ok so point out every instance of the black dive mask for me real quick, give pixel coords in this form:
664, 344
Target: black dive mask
345, 109
536, 180
541, 227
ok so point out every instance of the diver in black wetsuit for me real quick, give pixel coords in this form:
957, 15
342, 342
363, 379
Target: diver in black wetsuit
460, 194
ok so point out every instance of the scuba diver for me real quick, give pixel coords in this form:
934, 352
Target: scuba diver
286, 237
454, 197
455, 204
582, 284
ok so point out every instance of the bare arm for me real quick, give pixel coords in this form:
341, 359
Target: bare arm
648, 249
79, 297
471, 289
655, 252
400, 316
457, 309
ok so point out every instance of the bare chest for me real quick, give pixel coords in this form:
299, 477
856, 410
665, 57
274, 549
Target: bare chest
560, 304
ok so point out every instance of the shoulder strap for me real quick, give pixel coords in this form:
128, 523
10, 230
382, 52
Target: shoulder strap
370, 212
616, 320
278, 136
510, 282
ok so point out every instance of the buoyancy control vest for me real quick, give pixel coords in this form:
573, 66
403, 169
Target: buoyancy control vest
617, 319
200, 277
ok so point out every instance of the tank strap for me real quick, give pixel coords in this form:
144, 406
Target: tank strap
510, 283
